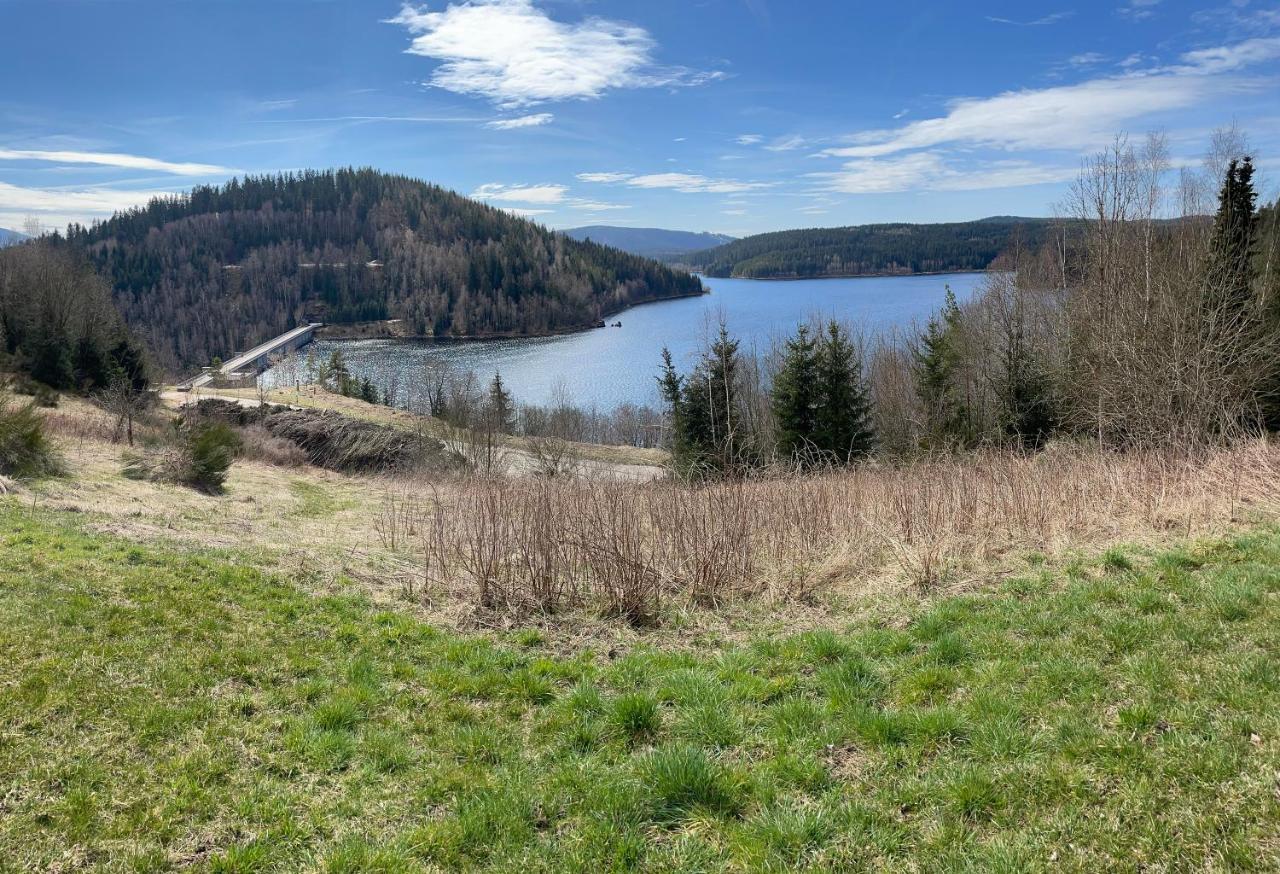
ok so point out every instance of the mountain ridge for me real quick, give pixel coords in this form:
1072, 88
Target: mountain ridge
861, 250
221, 268
650, 242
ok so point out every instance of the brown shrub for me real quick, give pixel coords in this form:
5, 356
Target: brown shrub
548, 545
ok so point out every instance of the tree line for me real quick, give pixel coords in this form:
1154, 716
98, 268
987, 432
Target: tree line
58, 325
1148, 314
870, 249
222, 267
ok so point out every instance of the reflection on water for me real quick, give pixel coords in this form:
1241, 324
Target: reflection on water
606, 367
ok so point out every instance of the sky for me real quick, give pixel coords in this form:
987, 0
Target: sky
733, 116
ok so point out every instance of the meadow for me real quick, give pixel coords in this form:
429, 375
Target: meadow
170, 707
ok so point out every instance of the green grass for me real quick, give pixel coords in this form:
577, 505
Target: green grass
162, 710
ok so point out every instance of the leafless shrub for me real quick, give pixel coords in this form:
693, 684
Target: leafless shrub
624, 549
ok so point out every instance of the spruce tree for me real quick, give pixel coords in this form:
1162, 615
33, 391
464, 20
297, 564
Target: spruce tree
796, 398
937, 371
501, 406
843, 428
1231, 260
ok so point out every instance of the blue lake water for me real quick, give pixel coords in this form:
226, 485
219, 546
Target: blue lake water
609, 366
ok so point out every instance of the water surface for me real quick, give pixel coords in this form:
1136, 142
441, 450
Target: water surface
606, 367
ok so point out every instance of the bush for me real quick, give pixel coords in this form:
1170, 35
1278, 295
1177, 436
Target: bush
210, 449
200, 457
25, 450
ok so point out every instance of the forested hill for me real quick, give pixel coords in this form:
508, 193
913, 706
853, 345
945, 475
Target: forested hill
651, 242
870, 249
222, 268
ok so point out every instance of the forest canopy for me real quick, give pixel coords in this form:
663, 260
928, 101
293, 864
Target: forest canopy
871, 249
223, 267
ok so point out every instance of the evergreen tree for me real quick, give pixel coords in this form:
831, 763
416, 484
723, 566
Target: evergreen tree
843, 426
709, 430
937, 374
797, 395
501, 406
368, 391
670, 384
1231, 268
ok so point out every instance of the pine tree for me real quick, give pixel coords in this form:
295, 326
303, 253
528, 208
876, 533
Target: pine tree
843, 428
501, 407
937, 371
797, 394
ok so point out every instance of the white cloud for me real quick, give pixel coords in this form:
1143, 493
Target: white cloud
597, 205
604, 177
1225, 59
930, 171
515, 54
688, 183
787, 144
1138, 9
1078, 116
525, 213
1052, 18
60, 206
535, 120
545, 195
748, 139
1086, 59
541, 194
114, 159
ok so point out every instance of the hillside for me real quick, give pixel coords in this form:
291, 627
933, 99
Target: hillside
8, 237
221, 268
870, 249
650, 242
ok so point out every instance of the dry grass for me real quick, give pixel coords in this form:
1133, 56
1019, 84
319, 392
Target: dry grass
624, 549
712, 562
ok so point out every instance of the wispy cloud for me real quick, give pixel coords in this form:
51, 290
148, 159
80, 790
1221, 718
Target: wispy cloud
59, 206
498, 192
1138, 9
687, 183
931, 171
1052, 18
1075, 116
787, 144
515, 54
1086, 59
114, 159
543, 195
604, 177
535, 120
748, 139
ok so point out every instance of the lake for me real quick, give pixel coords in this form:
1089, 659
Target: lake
606, 367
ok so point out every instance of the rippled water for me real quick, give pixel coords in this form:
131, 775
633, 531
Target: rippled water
609, 366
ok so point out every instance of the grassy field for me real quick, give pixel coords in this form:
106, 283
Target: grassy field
163, 709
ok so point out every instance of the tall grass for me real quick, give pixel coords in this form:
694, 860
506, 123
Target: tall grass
623, 548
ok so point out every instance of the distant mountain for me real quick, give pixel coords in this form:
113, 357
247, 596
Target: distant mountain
219, 269
651, 242
865, 250
8, 237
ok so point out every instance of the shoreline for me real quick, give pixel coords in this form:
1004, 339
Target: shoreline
323, 333
851, 275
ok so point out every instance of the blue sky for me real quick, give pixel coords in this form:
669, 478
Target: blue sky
735, 116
